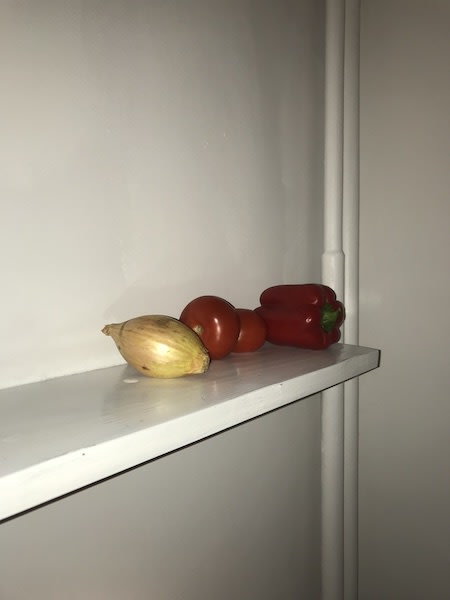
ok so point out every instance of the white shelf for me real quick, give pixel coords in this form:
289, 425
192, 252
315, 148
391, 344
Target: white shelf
60, 435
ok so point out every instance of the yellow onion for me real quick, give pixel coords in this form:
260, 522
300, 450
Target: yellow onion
159, 346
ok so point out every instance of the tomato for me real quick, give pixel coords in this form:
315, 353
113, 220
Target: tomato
215, 321
252, 332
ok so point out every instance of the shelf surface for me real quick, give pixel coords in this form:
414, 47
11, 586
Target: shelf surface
62, 434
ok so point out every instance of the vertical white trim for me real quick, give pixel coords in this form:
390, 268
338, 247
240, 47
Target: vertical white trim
351, 429
333, 256
351, 291
351, 170
332, 471
332, 494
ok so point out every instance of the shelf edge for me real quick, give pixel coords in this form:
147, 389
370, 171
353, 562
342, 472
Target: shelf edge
51, 479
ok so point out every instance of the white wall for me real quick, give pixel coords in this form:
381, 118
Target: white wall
405, 299
152, 152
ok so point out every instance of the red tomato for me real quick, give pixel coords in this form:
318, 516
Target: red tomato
215, 321
252, 333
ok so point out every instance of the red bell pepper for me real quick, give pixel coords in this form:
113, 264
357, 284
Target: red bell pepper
305, 315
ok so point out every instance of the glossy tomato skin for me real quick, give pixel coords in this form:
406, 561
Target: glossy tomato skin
252, 331
215, 321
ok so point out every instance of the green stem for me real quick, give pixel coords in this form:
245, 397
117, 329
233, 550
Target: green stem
328, 317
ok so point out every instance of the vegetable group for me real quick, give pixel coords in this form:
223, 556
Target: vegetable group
159, 346
210, 328
303, 315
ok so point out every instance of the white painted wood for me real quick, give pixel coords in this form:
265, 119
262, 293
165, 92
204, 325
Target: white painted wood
333, 257
350, 243
332, 472
62, 434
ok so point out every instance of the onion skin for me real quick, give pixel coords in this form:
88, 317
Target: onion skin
159, 346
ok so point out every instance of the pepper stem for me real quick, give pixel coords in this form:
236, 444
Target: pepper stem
328, 317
